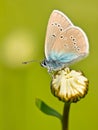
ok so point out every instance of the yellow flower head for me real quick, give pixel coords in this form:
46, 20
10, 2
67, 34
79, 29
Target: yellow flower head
69, 85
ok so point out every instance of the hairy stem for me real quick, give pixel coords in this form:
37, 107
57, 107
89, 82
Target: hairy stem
65, 116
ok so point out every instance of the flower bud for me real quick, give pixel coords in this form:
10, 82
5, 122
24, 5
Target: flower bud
69, 85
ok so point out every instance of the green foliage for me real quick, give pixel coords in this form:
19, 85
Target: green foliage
47, 109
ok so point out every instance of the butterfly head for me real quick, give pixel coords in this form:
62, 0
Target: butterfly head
47, 64
44, 64
51, 65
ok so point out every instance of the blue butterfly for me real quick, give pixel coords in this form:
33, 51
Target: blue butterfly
64, 44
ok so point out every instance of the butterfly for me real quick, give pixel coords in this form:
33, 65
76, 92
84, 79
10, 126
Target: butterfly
64, 43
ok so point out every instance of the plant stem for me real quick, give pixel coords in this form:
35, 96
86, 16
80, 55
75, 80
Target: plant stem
65, 116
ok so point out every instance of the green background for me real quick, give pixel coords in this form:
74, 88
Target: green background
22, 33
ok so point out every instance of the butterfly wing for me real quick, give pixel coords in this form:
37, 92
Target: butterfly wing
58, 22
70, 45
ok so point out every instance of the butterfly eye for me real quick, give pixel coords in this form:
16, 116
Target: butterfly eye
43, 63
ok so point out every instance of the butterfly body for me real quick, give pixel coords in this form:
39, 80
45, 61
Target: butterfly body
64, 44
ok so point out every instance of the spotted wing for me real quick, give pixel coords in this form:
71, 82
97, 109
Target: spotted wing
70, 45
58, 22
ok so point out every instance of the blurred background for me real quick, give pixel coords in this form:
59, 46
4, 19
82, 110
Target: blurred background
22, 34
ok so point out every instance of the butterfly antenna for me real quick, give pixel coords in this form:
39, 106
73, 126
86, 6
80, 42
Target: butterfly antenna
27, 62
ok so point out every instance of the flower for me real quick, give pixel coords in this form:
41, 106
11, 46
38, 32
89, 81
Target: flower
69, 85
